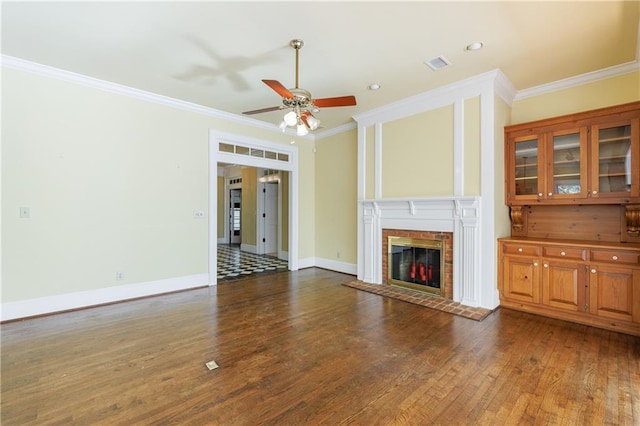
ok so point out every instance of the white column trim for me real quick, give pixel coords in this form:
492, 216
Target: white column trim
378, 161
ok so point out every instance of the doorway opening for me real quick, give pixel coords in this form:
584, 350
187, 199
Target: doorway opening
243, 151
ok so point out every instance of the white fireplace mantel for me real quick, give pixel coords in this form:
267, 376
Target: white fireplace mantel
459, 215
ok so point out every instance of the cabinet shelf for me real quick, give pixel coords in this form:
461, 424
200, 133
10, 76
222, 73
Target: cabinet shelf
608, 175
527, 178
618, 139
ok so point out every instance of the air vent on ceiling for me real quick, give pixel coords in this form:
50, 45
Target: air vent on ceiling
438, 63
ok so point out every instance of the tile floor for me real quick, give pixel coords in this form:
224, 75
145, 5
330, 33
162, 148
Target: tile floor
234, 263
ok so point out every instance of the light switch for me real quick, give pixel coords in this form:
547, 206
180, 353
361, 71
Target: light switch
198, 214
25, 213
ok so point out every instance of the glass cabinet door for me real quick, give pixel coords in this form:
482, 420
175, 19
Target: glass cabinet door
611, 164
526, 171
568, 172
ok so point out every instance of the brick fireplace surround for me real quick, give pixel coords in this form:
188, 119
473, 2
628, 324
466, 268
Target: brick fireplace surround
473, 257
445, 237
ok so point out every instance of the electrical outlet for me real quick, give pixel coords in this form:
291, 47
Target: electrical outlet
25, 213
338, 255
119, 275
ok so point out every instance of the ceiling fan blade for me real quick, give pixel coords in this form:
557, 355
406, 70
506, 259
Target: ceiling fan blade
258, 111
279, 88
335, 102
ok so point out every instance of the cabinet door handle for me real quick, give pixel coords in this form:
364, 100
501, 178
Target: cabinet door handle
593, 271
519, 249
550, 194
594, 192
614, 257
546, 265
540, 194
535, 263
563, 253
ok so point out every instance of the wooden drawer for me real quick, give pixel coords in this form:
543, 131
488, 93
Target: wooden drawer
573, 253
616, 257
521, 249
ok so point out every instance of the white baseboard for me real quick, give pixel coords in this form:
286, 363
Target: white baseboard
307, 262
84, 299
249, 248
223, 240
334, 265
283, 255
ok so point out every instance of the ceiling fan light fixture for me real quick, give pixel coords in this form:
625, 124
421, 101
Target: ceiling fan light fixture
302, 129
283, 125
291, 118
313, 122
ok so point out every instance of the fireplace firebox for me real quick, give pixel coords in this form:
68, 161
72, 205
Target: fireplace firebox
416, 263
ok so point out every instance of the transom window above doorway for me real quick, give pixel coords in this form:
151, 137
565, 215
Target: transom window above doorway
253, 152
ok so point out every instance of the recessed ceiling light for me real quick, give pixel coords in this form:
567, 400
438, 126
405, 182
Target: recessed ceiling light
476, 45
374, 86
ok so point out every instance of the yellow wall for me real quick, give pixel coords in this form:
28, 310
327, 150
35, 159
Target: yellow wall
221, 215
112, 182
612, 91
249, 211
472, 146
417, 155
502, 221
336, 197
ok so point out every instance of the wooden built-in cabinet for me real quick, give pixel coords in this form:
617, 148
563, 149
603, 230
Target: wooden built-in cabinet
587, 158
591, 283
573, 189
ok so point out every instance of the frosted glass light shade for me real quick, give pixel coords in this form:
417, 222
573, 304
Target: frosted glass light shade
290, 118
302, 130
313, 122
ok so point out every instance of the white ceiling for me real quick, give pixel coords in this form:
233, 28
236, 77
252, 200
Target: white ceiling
215, 54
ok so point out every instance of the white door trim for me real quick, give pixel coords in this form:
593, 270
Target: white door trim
290, 165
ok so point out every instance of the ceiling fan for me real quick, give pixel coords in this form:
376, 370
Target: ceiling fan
300, 102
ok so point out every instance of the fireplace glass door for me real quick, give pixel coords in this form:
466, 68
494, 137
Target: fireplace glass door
416, 263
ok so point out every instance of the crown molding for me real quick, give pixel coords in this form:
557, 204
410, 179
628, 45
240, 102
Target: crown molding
441, 96
336, 130
579, 80
19, 64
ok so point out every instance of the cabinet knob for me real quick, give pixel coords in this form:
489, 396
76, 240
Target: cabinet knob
546, 265
540, 194
535, 263
593, 271
614, 257
594, 192
550, 194
563, 253
519, 249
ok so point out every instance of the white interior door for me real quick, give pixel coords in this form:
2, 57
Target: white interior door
270, 218
235, 206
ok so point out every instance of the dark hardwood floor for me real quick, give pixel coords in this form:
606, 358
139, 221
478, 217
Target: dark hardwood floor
299, 348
